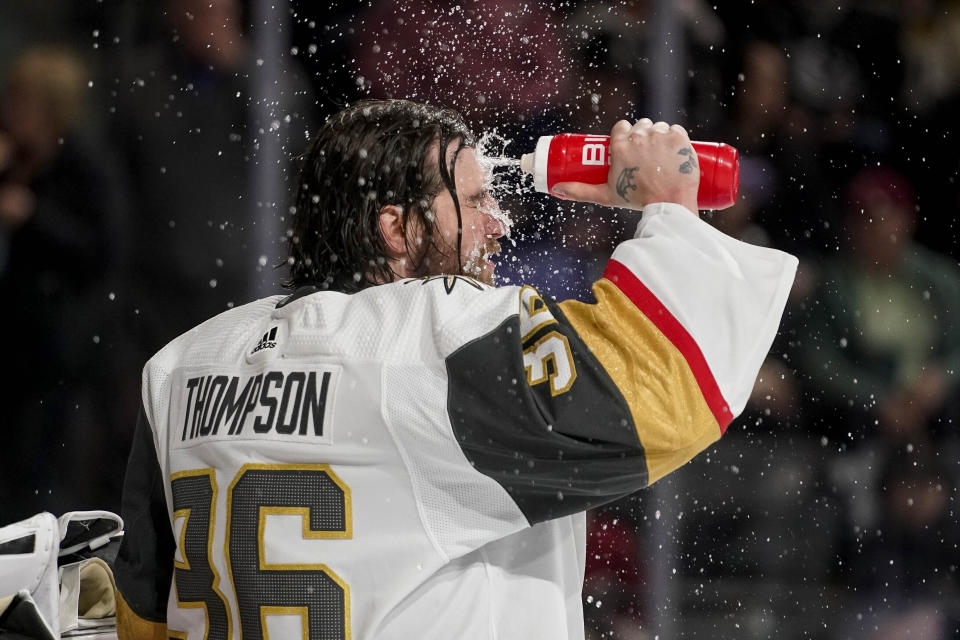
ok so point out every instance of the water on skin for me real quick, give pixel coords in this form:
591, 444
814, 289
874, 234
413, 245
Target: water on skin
490, 155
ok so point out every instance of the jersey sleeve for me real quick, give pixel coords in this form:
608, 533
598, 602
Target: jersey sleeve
568, 405
144, 564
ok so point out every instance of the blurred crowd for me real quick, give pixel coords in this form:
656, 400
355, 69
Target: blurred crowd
138, 197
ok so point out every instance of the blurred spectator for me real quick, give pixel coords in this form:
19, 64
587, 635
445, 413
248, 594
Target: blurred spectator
187, 121
884, 337
617, 42
61, 210
844, 61
905, 568
931, 45
496, 62
603, 94
930, 40
763, 99
770, 131
612, 44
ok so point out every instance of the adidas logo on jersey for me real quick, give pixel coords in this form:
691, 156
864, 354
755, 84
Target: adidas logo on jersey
268, 341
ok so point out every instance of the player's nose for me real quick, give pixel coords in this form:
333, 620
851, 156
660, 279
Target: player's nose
495, 222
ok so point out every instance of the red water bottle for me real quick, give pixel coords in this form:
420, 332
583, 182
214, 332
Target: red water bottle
577, 157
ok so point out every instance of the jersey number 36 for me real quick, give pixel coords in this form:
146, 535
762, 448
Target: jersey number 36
311, 591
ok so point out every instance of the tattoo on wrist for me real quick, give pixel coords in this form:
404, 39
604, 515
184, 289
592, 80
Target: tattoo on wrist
690, 163
625, 181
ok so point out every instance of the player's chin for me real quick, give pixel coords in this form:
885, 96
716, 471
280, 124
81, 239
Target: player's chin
487, 275
482, 269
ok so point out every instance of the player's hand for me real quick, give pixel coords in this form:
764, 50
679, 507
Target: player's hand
650, 162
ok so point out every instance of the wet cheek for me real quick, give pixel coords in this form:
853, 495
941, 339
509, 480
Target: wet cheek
447, 234
478, 235
469, 227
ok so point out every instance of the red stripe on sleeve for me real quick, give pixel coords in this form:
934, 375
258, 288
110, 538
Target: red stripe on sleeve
670, 327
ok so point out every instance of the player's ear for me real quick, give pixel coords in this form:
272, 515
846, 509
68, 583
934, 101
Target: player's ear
391, 228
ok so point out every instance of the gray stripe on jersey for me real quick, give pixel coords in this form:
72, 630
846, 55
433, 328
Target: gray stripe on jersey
555, 454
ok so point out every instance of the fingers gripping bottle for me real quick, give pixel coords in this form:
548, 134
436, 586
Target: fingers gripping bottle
577, 157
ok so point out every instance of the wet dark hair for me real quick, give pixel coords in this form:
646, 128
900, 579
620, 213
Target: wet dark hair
369, 155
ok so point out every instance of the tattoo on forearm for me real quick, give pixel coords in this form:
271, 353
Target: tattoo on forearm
690, 163
625, 181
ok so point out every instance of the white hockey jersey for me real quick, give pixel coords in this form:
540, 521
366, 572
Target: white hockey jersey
414, 461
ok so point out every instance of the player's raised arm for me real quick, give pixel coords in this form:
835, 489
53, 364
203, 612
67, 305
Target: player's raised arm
570, 405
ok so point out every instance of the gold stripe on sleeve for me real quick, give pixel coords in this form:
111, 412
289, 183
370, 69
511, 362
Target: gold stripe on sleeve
671, 416
130, 626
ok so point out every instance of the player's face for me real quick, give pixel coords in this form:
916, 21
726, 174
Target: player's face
483, 222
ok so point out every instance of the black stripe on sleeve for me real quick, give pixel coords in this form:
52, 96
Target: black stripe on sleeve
144, 565
554, 454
